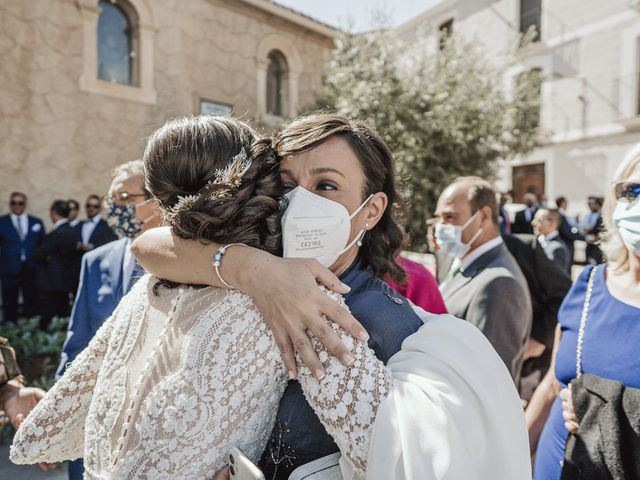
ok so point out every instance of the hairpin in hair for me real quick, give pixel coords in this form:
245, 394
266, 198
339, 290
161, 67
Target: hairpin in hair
228, 178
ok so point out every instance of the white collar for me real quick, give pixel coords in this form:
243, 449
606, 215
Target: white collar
471, 257
95, 219
18, 217
62, 221
552, 235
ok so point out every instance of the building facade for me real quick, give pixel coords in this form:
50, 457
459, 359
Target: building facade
587, 53
84, 82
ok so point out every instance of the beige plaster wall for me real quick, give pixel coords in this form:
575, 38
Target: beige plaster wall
59, 141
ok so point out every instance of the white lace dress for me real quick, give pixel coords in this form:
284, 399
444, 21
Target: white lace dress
170, 382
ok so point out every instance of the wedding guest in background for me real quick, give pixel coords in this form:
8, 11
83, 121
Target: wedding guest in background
92, 233
546, 223
503, 216
109, 271
55, 256
74, 210
597, 355
568, 230
420, 286
522, 222
479, 279
95, 230
591, 226
20, 235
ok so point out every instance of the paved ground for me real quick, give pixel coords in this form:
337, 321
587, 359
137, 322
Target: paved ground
9, 471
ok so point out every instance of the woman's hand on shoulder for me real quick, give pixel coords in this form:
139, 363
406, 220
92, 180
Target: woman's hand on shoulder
286, 293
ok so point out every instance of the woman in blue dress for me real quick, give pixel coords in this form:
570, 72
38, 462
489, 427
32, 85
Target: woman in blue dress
611, 328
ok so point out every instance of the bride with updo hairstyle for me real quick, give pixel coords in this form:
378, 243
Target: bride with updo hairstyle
183, 162
176, 376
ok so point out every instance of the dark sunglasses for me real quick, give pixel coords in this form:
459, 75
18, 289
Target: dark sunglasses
92, 205
629, 191
17, 204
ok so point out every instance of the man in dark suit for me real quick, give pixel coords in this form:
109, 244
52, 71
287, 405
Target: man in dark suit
483, 283
20, 235
90, 233
522, 222
592, 226
568, 229
108, 272
548, 284
74, 210
55, 256
95, 230
546, 223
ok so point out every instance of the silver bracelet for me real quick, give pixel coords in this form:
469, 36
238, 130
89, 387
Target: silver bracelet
217, 261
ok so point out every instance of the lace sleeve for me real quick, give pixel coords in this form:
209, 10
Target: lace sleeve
347, 399
54, 430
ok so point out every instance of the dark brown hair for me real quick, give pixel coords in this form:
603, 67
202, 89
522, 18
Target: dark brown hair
183, 156
382, 243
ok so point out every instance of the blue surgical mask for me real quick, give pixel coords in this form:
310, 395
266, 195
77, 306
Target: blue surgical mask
122, 220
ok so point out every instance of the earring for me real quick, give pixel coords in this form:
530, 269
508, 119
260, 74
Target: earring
364, 232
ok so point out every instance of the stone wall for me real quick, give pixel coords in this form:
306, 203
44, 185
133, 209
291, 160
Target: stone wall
60, 140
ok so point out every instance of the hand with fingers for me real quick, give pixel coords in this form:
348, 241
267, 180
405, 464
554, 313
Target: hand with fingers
568, 412
286, 293
21, 401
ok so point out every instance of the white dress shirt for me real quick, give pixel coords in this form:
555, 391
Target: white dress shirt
21, 224
472, 256
62, 221
88, 227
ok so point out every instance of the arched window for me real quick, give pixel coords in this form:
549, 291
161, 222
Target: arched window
116, 41
276, 83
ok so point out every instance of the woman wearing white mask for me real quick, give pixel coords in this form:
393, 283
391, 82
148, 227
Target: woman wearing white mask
596, 343
338, 176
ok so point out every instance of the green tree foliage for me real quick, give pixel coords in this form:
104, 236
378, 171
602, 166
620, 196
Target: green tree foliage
443, 115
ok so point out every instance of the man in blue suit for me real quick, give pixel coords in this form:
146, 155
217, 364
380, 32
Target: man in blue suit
20, 235
109, 271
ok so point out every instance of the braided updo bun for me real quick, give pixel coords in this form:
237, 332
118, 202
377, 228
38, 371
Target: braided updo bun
181, 160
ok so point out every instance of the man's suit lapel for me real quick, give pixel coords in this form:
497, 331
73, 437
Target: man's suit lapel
476, 267
116, 260
10, 227
455, 284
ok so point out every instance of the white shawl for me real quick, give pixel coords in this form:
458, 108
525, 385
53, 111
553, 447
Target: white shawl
453, 412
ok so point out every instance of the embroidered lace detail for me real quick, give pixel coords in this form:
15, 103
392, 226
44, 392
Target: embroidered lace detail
347, 399
170, 382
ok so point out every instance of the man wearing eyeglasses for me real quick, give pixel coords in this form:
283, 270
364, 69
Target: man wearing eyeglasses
108, 272
20, 235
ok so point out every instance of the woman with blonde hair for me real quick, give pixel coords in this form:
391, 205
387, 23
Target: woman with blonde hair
596, 359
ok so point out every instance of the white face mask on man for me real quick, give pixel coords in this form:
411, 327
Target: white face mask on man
449, 238
316, 227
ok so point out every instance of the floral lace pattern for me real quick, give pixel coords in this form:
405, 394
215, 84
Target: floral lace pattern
170, 382
347, 399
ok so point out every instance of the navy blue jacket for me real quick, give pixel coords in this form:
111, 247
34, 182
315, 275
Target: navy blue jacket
11, 246
298, 436
99, 292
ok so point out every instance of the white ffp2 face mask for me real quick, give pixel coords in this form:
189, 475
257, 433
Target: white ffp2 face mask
316, 227
449, 238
